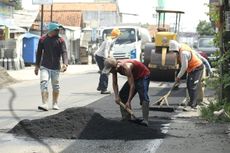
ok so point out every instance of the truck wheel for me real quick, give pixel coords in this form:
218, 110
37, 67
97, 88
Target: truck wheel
147, 52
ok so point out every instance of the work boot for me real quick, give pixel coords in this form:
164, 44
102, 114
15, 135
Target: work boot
55, 100
184, 102
124, 114
98, 89
145, 113
105, 92
44, 105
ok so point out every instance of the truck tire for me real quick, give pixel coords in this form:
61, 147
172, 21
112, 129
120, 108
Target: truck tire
149, 47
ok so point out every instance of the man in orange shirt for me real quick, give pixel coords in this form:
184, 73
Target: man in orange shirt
191, 63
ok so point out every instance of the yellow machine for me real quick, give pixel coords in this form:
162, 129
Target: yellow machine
162, 63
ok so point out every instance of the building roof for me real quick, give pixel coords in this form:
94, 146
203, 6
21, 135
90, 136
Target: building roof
67, 18
83, 7
25, 18
70, 14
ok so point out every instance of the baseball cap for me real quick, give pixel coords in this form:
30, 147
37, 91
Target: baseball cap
54, 26
109, 63
174, 45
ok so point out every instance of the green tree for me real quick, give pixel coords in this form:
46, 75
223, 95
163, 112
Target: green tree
18, 4
205, 28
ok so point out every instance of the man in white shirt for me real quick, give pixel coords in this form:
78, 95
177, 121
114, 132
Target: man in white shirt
101, 54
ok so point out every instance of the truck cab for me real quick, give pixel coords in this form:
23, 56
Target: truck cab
130, 44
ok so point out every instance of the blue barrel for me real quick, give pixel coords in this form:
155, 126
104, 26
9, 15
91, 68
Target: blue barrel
30, 43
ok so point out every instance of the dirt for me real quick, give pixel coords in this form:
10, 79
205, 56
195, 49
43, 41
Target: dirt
5, 78
83, 123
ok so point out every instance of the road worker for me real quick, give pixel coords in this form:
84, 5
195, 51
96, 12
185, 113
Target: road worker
194, 66
101, 54
138, 78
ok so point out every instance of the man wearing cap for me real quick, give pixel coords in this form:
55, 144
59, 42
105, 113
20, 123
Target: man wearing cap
138, 81
191, 63
101, 54
200, 89
51, 48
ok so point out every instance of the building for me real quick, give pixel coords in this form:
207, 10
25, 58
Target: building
75, 16
10, 48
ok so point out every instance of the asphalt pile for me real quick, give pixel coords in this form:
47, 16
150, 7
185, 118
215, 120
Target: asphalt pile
5, 78
83, 123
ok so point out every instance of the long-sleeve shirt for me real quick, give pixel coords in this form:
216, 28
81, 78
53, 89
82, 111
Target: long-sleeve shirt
49, 52
185, 57
205, 62
104, 49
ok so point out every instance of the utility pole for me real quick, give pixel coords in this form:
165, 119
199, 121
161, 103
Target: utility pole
51, 13
42, 10
225, 15
42, 3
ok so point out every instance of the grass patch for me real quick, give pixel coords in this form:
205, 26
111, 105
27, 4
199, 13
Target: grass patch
207, 112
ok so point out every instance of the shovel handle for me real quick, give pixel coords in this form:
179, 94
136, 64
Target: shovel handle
127, 109
164, 98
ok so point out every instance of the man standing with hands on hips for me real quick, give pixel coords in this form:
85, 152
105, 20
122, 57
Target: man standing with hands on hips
51, 48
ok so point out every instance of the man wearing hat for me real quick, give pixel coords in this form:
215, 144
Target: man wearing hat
191, 63
101, 54
138, 82
51, 48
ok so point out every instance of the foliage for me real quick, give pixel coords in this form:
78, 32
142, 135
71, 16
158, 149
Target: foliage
18, 4
218, 80
207, 112
205, 28
214, 13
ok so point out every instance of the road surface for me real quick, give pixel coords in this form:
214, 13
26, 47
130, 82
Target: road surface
180, 131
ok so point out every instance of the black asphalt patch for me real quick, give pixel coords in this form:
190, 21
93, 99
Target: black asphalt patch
84, 123
98, 121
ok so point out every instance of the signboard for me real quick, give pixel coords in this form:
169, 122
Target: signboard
40, 2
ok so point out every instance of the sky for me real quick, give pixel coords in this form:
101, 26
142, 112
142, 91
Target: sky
142, 11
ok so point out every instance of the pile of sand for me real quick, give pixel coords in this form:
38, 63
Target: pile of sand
5, 78
83, 123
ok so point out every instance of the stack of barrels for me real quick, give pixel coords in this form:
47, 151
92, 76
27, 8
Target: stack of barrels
8, 56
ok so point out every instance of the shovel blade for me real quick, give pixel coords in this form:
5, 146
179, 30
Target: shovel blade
138, 121
162, 108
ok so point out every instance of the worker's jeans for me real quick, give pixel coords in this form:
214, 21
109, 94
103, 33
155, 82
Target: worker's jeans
103, 80
193, 81
45, 76
141, 87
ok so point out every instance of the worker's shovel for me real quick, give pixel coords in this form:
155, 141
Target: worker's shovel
135, 119
158, 105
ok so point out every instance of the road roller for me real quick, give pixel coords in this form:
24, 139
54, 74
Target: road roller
163, 64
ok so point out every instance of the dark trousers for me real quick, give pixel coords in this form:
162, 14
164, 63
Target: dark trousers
193, 80
103, 79
141, 87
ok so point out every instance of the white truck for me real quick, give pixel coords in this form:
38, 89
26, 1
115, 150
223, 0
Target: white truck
131, 42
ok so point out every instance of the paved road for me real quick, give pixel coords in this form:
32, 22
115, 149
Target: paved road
181, 134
